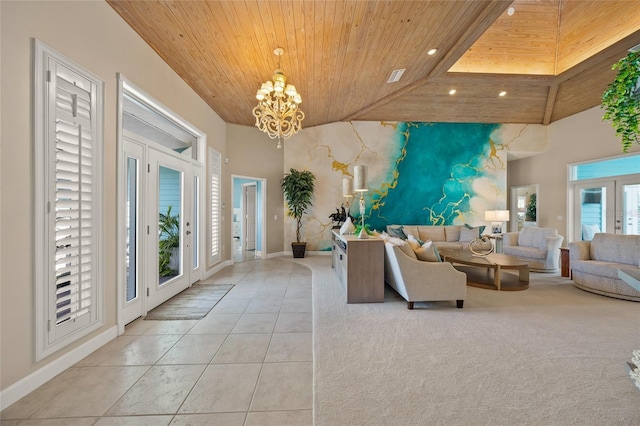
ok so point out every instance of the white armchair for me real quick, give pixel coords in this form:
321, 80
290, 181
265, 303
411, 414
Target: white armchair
420, 281
538, 246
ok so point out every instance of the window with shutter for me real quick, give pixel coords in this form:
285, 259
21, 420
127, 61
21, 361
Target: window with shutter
214, 179
68, 119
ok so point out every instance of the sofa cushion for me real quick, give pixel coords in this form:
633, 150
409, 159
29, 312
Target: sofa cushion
616, 248
433, 233
598, 267
444, 245
531, 236
452, 233
528, 252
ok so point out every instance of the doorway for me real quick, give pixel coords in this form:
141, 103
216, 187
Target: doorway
523, 207
160, 206
606, 205
249, 228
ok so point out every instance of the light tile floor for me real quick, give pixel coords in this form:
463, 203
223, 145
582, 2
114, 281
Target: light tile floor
248, 362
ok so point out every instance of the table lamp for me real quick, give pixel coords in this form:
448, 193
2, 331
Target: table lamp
360, 185
496, 217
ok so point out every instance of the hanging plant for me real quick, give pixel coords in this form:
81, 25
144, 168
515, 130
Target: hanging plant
621, 100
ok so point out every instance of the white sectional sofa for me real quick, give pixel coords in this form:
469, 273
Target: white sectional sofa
421, 281
448, 237
595, 264
538, 246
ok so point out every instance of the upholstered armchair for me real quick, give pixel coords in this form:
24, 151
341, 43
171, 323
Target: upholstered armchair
540, 247
422, 281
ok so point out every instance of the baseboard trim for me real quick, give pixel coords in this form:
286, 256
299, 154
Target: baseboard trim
41, 376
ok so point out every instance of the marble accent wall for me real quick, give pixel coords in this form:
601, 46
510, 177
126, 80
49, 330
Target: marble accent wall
418, 173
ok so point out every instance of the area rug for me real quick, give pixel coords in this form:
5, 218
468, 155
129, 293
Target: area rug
191, 304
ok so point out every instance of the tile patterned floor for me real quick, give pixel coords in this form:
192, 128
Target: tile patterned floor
248, 362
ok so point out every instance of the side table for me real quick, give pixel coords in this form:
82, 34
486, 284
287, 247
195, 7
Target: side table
565, 267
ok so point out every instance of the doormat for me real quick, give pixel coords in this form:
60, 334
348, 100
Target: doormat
190, 304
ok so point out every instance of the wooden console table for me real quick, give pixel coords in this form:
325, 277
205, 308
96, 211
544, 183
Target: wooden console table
359, 265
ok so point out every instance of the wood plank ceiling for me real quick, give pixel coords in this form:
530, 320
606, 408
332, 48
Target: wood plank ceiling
552, 57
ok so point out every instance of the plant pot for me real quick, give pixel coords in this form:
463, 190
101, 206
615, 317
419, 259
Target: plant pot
298, 249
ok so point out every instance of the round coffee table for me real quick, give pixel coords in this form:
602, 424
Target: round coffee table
486, 271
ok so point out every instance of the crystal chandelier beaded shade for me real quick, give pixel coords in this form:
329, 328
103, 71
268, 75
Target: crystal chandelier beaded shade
278, 113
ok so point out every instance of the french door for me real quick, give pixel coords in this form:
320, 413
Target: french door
606, 205
162, 248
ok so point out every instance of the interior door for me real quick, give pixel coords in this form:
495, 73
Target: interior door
250, 216
169, 226
134, 158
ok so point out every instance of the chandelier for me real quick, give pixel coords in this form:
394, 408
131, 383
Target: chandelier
277, 113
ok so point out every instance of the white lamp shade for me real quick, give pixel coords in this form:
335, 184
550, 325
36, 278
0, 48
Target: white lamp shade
497, 215
360, 178
347, 187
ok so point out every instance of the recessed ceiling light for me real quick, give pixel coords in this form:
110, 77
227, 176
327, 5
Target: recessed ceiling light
432, 51
503, 93
511, 11
452, 91
395, 75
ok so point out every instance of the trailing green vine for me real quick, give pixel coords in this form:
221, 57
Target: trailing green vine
621, 100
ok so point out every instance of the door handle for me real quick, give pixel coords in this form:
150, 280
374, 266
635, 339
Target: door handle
188, 232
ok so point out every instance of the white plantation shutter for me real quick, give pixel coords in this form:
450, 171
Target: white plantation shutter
215, 167
71, 150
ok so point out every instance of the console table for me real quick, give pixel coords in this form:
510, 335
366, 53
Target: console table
359, 265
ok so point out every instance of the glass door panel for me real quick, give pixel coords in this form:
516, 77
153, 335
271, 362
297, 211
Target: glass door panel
593, 209
170, 202
628, 220
133, 297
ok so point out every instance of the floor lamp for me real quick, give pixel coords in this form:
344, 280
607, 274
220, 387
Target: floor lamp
360, 185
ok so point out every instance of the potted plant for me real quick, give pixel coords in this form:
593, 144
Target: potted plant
621, 100
297, 187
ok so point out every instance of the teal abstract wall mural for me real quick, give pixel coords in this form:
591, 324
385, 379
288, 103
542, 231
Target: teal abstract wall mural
433, 179
418, 173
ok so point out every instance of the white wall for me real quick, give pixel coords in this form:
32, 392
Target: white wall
94, 36
578, 138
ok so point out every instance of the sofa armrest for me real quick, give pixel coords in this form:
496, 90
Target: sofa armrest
579, 250
552, 245
510, 239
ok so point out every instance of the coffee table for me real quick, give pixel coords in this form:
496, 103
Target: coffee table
486, 271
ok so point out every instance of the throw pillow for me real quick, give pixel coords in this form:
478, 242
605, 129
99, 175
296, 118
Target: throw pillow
480, 228
588, 231
414, 242
397, 232
469, 234
403, 245
428, 252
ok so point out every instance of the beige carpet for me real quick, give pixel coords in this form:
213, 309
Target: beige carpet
549, 355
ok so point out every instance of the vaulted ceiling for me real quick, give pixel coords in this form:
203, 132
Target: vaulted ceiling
552, 57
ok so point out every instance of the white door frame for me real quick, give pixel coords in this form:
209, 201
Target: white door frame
261, 216
198, 164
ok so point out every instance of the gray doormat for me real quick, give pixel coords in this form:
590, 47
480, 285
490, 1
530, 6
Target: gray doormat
192, 303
